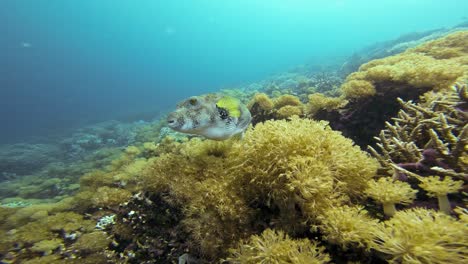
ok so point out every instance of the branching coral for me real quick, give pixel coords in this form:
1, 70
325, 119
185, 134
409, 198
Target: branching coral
275, 247
428, 138
437, 125
423, 236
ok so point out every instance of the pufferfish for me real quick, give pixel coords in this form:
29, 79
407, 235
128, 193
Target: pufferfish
213, 116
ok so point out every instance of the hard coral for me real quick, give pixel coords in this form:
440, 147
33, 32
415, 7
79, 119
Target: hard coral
427, 139
430, 134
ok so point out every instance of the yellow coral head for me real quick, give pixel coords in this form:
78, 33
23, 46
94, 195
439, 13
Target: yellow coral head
231, 105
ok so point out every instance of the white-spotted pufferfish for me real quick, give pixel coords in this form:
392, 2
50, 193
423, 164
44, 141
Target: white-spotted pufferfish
213, 116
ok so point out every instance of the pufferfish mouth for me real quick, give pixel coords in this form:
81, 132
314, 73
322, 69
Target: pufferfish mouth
171, 122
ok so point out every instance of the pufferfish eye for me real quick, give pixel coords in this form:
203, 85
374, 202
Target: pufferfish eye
193, 101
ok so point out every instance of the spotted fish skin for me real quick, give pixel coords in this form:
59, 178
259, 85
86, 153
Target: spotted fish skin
213, 116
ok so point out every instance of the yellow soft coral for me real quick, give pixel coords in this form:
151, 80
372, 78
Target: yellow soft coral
433, 65
289, 110
348, 226
285, 165
263, 101
287, 99
389, 192
275, 247
278, 159
358, 88
423, 236
440, 188
318, 101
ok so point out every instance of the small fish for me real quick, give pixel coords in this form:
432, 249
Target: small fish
25, 44
213, 116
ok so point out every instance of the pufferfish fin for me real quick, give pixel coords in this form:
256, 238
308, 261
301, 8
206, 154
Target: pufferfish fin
231, 104
238, 136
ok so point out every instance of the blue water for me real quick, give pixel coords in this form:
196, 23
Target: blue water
65, 63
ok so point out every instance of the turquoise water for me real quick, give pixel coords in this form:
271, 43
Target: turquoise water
67, 63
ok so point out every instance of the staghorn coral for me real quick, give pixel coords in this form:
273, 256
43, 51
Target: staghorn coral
437, 125
422, 236
389, 192
427, 139
276, 247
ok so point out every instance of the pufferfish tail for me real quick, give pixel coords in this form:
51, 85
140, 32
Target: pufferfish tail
231, 104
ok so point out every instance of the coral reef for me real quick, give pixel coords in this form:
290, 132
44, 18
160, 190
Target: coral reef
372, 91
393, 47
222, 187
293, 190
430, 134
428, 139
23, 159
